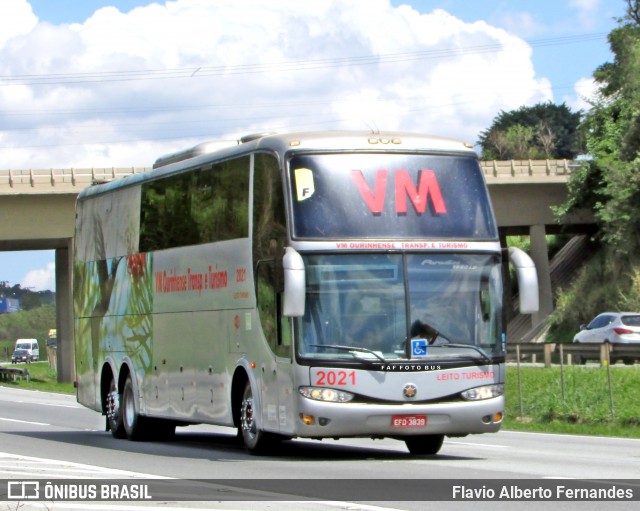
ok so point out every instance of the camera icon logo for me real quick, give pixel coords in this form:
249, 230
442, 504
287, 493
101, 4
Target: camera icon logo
23, 490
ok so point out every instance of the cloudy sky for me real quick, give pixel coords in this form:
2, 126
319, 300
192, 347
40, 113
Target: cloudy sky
103, 83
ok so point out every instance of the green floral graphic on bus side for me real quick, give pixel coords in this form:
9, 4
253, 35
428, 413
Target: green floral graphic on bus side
115, 314
138, 323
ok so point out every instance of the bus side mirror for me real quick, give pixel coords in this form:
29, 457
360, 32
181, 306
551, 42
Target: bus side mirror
294, 283
527, 280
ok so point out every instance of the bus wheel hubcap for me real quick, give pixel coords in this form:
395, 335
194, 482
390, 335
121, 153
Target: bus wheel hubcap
248, 424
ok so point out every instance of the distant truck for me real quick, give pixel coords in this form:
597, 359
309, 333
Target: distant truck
52, 338
8, 305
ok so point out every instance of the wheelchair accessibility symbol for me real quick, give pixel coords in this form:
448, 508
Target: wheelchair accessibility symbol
419, 347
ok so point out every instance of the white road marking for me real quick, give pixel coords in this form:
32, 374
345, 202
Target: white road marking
71, 404
47, 404
82, 471
25, 422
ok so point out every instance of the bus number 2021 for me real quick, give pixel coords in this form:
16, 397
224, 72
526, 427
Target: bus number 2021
335, 378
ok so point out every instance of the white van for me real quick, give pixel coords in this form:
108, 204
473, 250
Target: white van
31, 345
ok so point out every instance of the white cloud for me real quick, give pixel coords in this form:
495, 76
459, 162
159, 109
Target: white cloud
585, 5
40, 280
120, 89
585, 90
17, 19
587, 12
522, 23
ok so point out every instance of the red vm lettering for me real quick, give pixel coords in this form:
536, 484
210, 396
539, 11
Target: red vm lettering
404, 187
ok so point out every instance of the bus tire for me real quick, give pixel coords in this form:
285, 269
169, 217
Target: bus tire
134, 424
114, 411
424, 444
255, 440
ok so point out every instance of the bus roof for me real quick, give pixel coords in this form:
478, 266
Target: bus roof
326, 140
282, 142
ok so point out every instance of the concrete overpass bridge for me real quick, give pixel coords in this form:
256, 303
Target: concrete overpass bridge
37, 212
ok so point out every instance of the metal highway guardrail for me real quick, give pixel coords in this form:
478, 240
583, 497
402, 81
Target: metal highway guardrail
570, 353
67, 180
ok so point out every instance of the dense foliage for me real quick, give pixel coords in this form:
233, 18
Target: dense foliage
34, 323
36, 317
28, 299
609, 183
543, 131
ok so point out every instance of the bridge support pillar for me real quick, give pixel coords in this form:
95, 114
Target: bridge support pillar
64, 314
540, 255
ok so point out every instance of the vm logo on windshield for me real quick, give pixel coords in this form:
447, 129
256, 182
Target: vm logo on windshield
427, 190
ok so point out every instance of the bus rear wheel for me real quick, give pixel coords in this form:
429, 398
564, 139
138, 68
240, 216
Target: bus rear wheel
424, 444
133, 423
138, 427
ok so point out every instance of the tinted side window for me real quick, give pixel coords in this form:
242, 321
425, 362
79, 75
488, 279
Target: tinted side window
201, 206
269, 238
600, 322
631, 320
107, 225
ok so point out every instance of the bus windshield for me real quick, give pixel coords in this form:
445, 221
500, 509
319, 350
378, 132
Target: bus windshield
389, 195
415, 306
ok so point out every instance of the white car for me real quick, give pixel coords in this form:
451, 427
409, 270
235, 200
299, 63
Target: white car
612, 327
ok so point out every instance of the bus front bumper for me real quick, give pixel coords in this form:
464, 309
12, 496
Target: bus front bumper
316, 419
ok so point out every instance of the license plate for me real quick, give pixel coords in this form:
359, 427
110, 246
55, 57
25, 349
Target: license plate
409, 421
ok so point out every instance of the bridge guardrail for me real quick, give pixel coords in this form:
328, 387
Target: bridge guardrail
527, 168
569, 353
17, 180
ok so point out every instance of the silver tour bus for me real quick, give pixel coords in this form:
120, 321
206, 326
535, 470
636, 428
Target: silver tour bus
303, 285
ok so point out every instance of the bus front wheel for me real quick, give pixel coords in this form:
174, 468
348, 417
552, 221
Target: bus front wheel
424, 444
255, 440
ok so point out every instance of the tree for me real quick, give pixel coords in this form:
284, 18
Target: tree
545, 130
520, 141
547, 139
34, 323
609, 182
28, 299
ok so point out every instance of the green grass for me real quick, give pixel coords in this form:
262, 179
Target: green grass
575, 400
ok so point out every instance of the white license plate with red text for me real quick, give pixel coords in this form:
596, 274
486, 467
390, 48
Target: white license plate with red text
409, 421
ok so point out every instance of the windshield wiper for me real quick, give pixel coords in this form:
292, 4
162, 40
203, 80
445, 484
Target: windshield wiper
483, 354
350, 349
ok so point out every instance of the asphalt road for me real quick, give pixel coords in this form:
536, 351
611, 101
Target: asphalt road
44, 435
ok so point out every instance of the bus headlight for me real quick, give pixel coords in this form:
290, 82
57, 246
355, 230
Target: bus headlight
324, 394
485, 392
